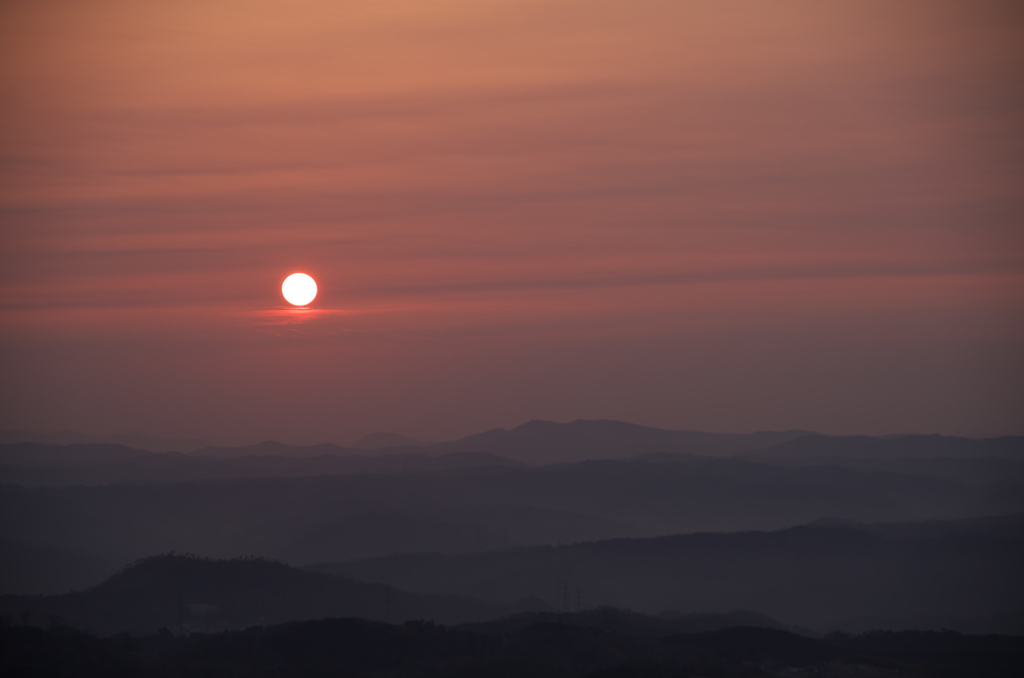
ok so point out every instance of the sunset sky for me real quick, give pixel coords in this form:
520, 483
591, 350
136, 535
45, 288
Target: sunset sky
725, 216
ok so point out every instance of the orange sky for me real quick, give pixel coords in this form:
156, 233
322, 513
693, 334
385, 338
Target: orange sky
725, 216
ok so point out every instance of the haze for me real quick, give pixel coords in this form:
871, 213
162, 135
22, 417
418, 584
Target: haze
728, 216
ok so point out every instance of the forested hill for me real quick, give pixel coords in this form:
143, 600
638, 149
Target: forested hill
559, 648
185, 593
963, 575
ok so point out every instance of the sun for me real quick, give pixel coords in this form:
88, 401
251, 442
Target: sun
299, 289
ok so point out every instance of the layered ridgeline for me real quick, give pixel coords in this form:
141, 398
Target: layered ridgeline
184, 593
560, 526
108, 505
43, 462
53, 538
962, 575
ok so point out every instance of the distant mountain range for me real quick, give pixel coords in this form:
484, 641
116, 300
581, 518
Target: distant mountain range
545, 442
963, 575
894, 447
378, 441
329, 508
536, 442
70, 513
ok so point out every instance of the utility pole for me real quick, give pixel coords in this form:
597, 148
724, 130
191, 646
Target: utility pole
563, 594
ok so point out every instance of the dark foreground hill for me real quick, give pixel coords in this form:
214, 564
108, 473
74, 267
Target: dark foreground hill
188, 593
960, 575
628, 623
561, 648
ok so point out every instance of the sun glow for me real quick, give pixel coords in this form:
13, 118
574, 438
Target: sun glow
299, 289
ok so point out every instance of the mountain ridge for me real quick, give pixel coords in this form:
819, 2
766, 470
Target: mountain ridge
541, 441
817, 575
544, 442
907, 446
191, 593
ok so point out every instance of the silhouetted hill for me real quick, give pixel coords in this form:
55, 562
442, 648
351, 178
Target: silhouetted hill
546, 442
189, 593
816, 575
377, 441
895, 447
627, 622
565, 649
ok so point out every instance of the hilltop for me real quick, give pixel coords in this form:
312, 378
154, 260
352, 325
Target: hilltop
184, 592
